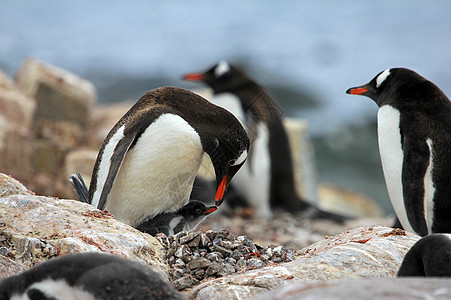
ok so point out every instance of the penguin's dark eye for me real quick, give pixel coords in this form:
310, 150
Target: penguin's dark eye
232, 162
198, 211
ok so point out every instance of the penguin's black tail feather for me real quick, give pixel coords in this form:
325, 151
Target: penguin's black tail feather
79, 184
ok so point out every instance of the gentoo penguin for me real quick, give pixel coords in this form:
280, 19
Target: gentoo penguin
149, 159
429, 257
414, 133
267, 179
88, 276
186, 218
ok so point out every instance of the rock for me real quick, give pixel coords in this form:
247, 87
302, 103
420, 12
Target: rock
185, 282
348, 203
16, 140
358, 253
373, 288
214, 268
10, 267
200, 262
60, 95
64, 104
303, 156
35, 229
10, 186
226, 269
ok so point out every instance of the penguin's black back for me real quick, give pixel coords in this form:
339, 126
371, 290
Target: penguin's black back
426, 114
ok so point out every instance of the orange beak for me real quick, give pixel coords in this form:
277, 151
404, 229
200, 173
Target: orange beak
220, 192
210, 210
194, 77
357, 91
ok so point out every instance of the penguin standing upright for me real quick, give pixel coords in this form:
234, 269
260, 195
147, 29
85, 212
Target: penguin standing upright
88, 276
150, 158
414, 133
267, 179
429, 257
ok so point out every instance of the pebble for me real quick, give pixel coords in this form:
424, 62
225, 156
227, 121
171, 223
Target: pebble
195, 256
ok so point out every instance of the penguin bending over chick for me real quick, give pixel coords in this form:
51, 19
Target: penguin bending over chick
429, 257
148, 161
414, 134
186, 218
267, 180
88, 276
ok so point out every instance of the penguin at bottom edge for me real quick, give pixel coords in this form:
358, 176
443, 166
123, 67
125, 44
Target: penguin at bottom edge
429, 257
88, 276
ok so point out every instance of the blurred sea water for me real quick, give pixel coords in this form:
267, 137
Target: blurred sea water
306, 52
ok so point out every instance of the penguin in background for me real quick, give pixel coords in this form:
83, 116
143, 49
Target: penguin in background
88, 276
429, 257
267, 180
414, 135
148, 161
186, 218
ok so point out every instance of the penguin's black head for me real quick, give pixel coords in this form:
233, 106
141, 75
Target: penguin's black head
222, 77
398, 87
195, 209
228, 151
376, 87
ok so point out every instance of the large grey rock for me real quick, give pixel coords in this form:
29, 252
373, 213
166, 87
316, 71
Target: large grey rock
10, 186
64, 104
34, 229
9, 267
358, 253
373, 288
16, 116
60, 95
347, 202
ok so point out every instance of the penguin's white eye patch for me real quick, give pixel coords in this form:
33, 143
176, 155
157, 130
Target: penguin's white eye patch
239, 160
222, 68
381, 78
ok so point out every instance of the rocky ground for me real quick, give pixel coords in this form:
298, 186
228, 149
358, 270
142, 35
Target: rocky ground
227, 244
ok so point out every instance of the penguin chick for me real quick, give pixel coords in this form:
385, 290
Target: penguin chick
186, 218
429, 257
267, 180
414, 135
88, 276
150, 158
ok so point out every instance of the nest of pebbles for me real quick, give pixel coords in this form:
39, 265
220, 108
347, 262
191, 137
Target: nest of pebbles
195, 256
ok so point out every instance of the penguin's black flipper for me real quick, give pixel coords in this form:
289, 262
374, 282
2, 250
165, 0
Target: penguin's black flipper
116, 161
415, 164
79, 184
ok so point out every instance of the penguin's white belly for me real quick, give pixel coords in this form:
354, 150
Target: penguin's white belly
158, 172
55, 289
392, 157
253, 184
253, 179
